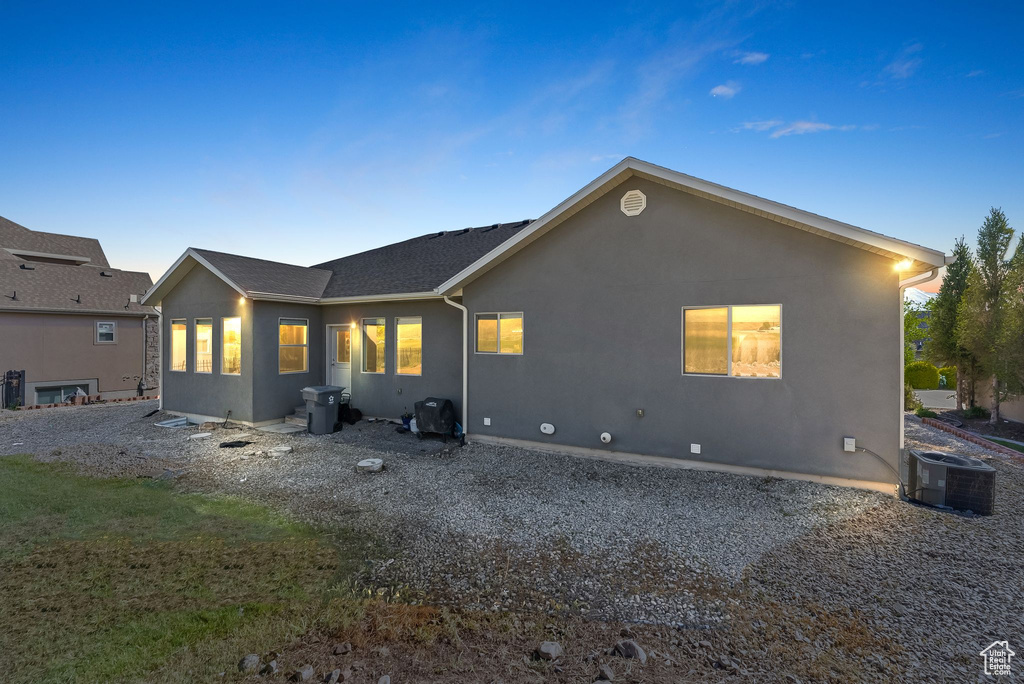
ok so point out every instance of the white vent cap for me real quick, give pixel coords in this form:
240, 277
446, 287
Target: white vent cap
633, 202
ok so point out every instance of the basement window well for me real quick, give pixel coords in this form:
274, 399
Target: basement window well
736, 341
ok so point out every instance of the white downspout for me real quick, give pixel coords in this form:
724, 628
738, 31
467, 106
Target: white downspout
465, 362
904, 284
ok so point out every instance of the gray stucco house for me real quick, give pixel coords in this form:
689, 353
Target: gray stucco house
650, 315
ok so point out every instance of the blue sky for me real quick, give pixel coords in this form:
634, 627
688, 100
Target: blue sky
307, 131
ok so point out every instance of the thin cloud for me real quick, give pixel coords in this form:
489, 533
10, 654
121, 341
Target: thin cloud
751, 58
802, 127
760, 125
975, 73
905, 65
726, 90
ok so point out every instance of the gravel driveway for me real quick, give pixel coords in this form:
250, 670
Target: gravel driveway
504, 528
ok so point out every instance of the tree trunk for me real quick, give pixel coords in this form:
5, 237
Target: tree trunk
993, 418
959, 389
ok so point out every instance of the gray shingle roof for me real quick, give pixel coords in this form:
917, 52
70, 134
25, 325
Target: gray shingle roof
15, 236
260, 275
94, 287
416, 265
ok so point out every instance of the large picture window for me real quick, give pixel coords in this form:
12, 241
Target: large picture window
737, 341
293, 345
231, 346
499, 333
204, 345
374, 355
409, 346
179, 336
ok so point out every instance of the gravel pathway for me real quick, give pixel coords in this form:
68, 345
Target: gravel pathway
503, 528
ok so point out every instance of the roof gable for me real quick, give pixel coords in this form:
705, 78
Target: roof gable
922, 258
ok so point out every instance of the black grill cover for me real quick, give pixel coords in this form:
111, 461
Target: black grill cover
435, 415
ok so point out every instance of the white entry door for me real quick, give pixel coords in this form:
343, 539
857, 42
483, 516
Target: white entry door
339, 356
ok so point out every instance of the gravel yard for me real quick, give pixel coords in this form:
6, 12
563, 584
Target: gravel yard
490, 527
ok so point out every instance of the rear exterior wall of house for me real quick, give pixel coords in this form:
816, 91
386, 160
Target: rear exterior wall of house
602, 297
390, 394
62, 350
202, 295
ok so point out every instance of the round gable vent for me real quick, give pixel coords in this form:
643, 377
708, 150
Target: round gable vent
633, 202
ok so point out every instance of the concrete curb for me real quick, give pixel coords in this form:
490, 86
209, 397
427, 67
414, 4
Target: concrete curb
973, 438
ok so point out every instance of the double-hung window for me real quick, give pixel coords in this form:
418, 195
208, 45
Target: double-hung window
231, 346
106, 332
293, 345
179, 337
736, 341
374, 354
499, 333
409, 346
204, 345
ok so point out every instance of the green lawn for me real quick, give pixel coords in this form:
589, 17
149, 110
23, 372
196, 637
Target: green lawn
1012, 445
125, 580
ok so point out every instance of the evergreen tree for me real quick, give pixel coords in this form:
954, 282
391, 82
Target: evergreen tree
980, 315
943, 349
1011, 337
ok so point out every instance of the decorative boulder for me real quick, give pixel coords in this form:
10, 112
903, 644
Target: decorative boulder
370, 465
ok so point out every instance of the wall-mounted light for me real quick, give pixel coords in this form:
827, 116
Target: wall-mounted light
904, 265
241, 300
353, 325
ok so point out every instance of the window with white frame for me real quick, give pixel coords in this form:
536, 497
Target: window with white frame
293, 345
374, 354
179, 337
231, 346
736, 341
499, 333
409, 345
106, 332
204, 345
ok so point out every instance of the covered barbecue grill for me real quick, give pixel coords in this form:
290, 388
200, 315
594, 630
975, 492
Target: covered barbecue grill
435, 415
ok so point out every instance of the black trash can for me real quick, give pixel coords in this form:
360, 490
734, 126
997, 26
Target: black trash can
435, 415
322, 403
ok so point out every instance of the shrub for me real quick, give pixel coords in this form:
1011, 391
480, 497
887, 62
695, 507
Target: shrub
926, 413
922, 375
910, 400
949, 373
976, 412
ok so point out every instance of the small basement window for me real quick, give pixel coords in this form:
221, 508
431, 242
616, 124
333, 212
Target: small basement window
374, 355
736, 341
106, 332
179, 336
293, 345
58, 395
409, 346
499, 333
204, 345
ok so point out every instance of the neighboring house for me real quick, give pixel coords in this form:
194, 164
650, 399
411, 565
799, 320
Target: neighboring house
651, 313
70, 321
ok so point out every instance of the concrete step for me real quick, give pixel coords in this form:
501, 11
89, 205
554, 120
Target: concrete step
296, 420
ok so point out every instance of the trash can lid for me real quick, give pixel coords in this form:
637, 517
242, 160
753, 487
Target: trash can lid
322, 389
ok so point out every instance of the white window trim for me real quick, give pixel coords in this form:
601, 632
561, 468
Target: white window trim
96, 328
362, 347
728, 337
222, 357
279, 345
195, 345
398, 320
499, 314
170, 350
